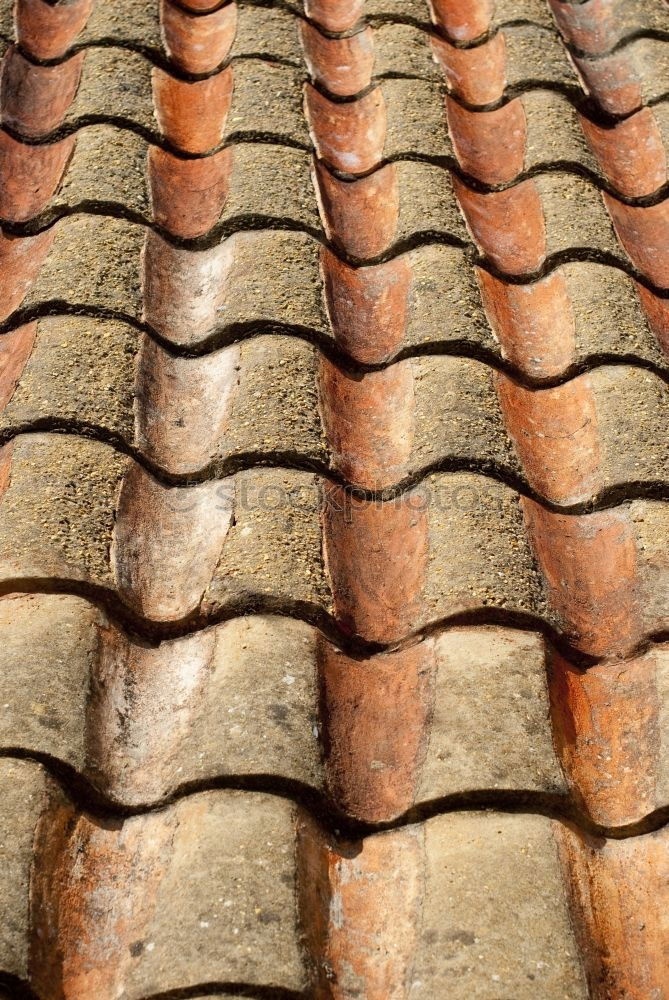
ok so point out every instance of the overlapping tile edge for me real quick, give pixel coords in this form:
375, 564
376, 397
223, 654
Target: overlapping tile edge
344, 912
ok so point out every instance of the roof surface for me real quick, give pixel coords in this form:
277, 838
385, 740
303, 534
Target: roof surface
334, 503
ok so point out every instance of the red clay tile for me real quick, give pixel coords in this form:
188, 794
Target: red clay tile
166, 544
334, 15
30, 175
203, 6
183, 405
187, 196
78, 861
6, 452
632, 154
619, 891
360, 216
343, 66
375, 716
589, 26
534, 323
556, 436
376, 558
130, 755
368, 422
477, 76
350, 137
462, 20
644, 233
613, 82
20, 261
47, 30
34, 99
198, 44
657, 312
361, 903
478, 136
367, 306
375, 888
590, 565
192, 116
182, 289
15, 349
606, 725
507, 225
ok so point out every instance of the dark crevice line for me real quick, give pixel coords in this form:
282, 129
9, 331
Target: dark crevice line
242, 223
371, 20
430, 29
152, 137
375, 82
374, 20
21, 989
572, 93
609, 498
546, 167
89, 800
255, 222
515, 802
238, 333
157, 55
584, 104
490, 34
552, 261
252, 223
50, 216
16, 987
415, 241
157, 58
576, 54
471, 350
636, 35
196, 14
153, 631
236, 989
114, 209
447, 162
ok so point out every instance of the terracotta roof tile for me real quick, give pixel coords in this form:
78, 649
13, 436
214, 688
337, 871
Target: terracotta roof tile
595, 26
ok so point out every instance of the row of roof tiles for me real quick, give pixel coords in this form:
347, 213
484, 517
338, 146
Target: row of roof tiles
226, 891
92, 77
472, 713
461, 543
49, 31
274, 398
580, 311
